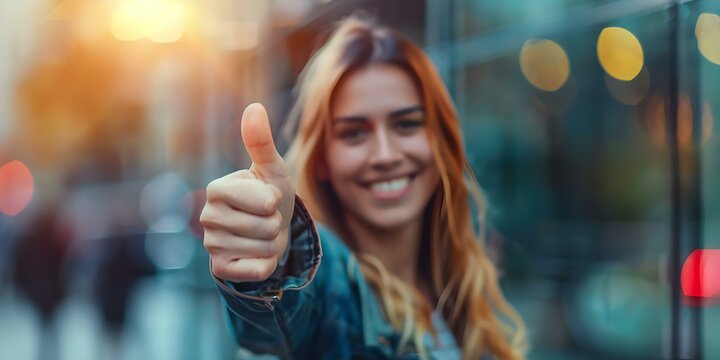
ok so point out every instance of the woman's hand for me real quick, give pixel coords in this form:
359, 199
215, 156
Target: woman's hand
247, 214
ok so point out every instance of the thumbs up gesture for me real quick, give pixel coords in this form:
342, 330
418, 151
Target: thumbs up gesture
247, 214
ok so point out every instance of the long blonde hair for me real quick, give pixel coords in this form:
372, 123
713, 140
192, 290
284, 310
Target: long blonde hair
463, 279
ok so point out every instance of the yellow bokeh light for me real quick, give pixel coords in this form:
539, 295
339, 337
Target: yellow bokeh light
169, 28
620, 53
707, 31
544, 64
159, 21
128, 22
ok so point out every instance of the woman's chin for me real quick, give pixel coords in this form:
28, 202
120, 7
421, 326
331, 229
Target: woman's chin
391, 219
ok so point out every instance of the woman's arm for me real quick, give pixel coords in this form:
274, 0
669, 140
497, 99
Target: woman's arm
282, 314
247, 222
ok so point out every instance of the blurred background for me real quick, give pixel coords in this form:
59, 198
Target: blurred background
590, 124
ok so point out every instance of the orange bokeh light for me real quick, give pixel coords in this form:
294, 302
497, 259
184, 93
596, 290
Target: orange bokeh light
655, 122
16, 187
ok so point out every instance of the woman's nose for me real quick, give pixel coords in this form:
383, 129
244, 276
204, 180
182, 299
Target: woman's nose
384, 153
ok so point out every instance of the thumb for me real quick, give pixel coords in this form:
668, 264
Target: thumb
257, 137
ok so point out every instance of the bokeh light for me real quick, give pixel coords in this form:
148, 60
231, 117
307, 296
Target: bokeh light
165, 207
162, 203
707, 32
544, 64
615, 310
170, 251
620, 53
169, 27
16, 187
161, 21
127, 22
655, 122
700, 274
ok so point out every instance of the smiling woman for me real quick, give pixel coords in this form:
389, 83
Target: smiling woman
379, 162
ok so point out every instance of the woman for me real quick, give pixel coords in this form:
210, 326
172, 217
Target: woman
378, 160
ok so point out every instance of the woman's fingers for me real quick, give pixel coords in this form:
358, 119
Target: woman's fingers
222, 243
245, 194
242, 224
245, 269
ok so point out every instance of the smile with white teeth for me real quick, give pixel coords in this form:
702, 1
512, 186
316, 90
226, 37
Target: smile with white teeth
390, 186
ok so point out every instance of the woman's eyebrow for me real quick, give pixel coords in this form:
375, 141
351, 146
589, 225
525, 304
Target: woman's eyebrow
391, 115
351, 119
405, 111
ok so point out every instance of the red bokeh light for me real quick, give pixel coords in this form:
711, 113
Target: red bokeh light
700, 276
16, 187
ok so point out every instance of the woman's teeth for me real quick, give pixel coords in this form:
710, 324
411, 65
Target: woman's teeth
390, 186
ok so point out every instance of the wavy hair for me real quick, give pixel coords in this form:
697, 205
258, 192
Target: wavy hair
463, 279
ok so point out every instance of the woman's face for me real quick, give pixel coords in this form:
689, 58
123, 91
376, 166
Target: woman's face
378, 157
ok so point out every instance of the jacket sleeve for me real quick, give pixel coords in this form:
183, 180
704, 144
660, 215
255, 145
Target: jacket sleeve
280, 315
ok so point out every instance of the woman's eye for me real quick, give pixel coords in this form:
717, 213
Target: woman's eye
351, 135
407, 126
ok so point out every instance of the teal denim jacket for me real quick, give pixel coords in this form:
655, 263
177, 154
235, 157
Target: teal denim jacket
310, 311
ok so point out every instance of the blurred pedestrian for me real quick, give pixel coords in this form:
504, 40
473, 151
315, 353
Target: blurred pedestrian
39, 271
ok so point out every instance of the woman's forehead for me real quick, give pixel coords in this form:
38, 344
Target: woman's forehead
376, 90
